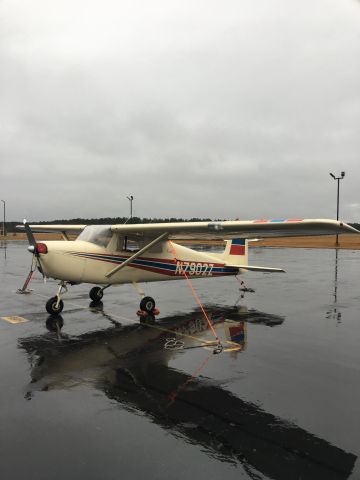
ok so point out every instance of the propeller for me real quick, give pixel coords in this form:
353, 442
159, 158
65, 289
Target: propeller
34, 247
30, 236
35, 258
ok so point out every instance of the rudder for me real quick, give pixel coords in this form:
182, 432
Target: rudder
236, 251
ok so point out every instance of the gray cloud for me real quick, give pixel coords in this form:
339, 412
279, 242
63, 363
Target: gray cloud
208, 108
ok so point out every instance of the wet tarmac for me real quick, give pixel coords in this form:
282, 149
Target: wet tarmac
96, 394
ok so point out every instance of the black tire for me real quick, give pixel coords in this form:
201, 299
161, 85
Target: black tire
147, 304
52, 308
96, 294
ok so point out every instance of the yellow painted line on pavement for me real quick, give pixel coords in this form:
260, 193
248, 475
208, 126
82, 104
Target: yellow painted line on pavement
14, 319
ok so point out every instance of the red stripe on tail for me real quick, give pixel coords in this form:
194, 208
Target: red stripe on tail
237, 249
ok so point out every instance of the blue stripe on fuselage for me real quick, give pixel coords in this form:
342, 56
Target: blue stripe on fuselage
139, 262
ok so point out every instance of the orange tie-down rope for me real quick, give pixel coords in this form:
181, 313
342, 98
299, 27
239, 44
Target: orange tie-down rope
219, 347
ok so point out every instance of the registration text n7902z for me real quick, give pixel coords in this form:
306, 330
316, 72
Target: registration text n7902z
194, 268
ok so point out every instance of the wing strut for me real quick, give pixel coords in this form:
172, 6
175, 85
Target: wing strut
137, 254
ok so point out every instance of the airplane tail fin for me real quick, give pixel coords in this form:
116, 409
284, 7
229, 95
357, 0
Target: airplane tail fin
236, 255
236, 252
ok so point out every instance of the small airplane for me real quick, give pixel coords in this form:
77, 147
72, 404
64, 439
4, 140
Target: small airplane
110, 255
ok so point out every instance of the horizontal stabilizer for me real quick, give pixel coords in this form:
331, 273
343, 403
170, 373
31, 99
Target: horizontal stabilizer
256, 269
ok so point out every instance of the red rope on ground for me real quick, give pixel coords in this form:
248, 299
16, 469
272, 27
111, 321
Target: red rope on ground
173, 395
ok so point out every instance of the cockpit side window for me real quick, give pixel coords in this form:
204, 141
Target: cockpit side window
98, 234
130, 245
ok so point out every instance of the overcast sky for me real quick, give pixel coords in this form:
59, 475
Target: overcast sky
206, 108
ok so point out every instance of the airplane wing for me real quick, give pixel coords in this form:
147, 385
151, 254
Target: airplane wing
54, 228
218, 229
238, 228
65, 230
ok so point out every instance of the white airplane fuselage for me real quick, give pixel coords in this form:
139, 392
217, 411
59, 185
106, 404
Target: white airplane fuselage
84, 262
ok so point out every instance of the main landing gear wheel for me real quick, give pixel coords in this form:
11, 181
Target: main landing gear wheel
147, 304
96, 294
53, 306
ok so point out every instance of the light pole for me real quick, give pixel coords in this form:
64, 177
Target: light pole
4, 231
131, 198
342, 175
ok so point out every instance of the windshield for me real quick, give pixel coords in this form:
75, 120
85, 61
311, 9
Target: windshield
98, 234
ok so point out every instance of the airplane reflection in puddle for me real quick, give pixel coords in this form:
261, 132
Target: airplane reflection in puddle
56, 355
130, 365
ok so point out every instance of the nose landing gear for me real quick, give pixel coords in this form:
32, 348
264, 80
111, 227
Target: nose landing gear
55, 305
